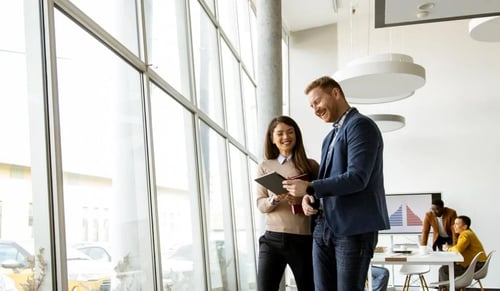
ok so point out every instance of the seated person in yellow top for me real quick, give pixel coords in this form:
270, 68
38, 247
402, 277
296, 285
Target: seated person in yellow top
468, 245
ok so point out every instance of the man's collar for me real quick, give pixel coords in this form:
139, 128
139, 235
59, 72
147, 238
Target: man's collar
340, 121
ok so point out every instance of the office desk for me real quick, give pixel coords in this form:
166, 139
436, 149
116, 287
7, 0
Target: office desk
432, 258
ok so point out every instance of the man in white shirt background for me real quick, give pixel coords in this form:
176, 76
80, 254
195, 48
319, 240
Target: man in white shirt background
441, 219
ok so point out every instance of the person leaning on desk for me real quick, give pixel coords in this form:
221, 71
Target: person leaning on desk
468, 245
441, 220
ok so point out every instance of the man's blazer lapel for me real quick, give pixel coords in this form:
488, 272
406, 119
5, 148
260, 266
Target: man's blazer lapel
324, 155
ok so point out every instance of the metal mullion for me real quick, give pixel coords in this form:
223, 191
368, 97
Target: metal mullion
151, 185
232, 215
218, 35
55, 170
149, 154
201, 201
193, 107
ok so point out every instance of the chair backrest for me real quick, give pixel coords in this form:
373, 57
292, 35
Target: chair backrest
414, 269
481, 273
466, 278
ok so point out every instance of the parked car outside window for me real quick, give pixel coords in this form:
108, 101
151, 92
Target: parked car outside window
83, 272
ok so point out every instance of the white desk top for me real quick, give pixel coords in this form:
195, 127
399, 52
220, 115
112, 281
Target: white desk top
432, 258
415, 258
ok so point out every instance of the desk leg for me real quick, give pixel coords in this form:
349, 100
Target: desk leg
369, 278
451, 272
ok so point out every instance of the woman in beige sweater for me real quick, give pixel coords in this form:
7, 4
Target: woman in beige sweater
288, 238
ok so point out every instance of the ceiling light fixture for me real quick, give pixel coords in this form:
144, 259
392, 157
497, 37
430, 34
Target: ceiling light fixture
335, 6
424, 9
485, 29
388, 122
422, 14
426, 6
380, 78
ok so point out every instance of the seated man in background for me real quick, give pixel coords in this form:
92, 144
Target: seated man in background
468, 245
441, 219
380, 278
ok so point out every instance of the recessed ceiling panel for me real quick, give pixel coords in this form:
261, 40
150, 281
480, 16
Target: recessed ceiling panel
406, 12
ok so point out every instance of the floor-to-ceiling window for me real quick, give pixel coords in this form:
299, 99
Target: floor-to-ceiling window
128, 145
24, 200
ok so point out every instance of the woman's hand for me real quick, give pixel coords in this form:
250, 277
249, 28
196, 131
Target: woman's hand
280, 197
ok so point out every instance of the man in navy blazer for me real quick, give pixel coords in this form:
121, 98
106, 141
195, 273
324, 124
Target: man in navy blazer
348, 198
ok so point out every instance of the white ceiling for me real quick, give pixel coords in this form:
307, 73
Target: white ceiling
299, 14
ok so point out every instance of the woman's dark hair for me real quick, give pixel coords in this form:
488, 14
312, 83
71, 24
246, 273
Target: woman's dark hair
465, 220
299, 156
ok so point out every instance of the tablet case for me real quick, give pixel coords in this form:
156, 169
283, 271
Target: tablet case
274, 182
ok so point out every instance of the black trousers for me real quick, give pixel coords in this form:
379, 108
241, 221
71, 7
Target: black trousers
440, 241
276, 250
444, 274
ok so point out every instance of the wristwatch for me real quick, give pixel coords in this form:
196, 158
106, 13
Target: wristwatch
272, 201
310, 190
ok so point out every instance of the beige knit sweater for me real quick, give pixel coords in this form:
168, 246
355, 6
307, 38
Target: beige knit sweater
279, 218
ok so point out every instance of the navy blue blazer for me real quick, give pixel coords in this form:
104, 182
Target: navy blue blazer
351, 184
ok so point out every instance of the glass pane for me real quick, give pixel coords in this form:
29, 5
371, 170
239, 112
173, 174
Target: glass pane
250, 102
14, 121
168, 42
117, 17
228, 20
16, 214
177, 195
232, 90
206, 64
253, 33
245, 35
103, 160
217, 208
243, 220
259, 220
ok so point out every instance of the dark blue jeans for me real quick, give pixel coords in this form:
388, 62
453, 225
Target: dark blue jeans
380, 278
341, 262
276, 250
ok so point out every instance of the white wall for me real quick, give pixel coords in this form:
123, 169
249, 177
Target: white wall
312, 54
451, 141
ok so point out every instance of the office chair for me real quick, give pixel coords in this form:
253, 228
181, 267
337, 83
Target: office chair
462, 281
410, 270
481, 273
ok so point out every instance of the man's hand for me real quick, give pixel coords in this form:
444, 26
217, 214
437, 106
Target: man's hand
296, 187
307, 205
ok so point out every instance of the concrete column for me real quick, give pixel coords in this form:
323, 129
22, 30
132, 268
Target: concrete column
269, 63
